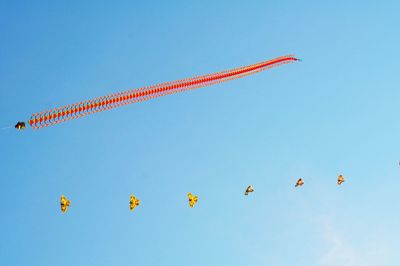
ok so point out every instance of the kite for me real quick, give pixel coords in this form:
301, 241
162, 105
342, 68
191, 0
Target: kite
340, 180
84, 108
192, 199
64, 203
133, 202
20, 125
249, 189
299, 182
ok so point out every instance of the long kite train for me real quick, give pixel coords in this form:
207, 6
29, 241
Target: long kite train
72, 111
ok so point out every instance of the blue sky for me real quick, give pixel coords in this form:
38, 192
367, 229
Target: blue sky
334, 113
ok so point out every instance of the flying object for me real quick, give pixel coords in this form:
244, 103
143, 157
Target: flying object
340, 180
192, 199
249, 189
133, 202
64, 203
80, 109
299, 182
20, 125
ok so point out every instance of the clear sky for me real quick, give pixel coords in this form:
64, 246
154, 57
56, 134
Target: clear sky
334, 113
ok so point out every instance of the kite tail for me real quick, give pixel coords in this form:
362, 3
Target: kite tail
81, 109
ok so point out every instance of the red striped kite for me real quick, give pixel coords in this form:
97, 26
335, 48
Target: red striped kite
80, 109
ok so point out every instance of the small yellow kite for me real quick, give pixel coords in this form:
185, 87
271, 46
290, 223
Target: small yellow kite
64, 203
192, 199
133, 202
